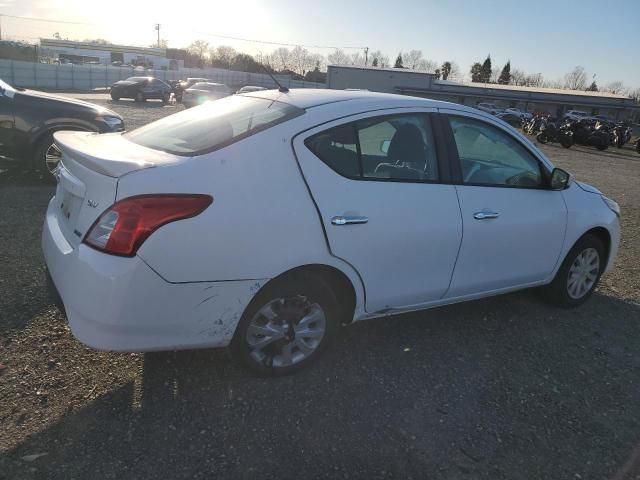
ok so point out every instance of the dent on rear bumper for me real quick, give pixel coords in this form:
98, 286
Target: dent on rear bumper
121, 304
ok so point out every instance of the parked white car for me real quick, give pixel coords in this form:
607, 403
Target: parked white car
576, 114
522, 114
264, 221
491, 108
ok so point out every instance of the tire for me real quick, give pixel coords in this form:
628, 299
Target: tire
41, 162
542, 138
165, 98
279, 307
114, 97
559, 291
602, 146
140, 97
565, 141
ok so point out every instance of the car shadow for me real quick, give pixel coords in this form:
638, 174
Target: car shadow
506, 387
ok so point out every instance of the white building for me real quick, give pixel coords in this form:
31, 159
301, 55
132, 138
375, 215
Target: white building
107, 54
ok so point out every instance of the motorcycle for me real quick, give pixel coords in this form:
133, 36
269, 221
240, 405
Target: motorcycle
621, 134
551, 132
533, 125
585, 133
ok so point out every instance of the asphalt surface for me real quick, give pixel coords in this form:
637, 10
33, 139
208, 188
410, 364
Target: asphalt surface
501, 388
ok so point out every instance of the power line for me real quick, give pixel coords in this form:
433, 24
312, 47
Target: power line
208, 34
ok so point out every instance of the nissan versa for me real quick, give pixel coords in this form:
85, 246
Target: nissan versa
266, 220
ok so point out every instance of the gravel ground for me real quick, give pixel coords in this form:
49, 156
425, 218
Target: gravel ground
500, 388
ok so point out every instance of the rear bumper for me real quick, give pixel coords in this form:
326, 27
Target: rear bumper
121, 304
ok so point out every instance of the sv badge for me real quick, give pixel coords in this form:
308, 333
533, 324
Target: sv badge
92, 203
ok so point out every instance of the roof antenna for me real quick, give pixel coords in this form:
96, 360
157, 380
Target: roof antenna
281, 88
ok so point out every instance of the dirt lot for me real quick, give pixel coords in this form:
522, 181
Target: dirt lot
501, 388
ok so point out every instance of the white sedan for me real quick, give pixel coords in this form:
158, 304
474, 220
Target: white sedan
265, 221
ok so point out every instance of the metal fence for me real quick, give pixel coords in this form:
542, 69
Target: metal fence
89, 77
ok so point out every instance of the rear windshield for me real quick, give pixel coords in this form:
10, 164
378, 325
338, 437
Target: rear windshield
213, 125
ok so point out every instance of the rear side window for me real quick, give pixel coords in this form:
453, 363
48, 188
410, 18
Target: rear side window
393, 147
213, 125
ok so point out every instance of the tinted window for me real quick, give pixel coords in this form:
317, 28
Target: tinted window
399, 147
337, 148
396, 147
489, 156
138, 79
212, 125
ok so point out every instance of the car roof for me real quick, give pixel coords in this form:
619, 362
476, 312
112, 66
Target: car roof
312, 97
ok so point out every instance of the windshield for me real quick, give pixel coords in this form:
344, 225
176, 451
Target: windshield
213, 125
6, 89
138, 79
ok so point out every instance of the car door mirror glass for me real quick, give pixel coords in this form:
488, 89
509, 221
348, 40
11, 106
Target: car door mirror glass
560, 179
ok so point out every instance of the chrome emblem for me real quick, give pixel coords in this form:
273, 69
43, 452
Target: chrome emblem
92, 203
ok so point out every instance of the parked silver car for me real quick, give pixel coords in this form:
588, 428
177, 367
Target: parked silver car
204, 91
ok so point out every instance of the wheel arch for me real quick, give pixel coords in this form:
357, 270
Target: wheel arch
339, 282
604, 236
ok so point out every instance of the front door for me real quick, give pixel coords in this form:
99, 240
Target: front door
376, 180
513, 225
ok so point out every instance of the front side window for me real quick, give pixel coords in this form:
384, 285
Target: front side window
394, 147
489, 156
213, 125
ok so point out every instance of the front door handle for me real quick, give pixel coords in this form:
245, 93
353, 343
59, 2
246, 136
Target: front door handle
349, 220
485, 215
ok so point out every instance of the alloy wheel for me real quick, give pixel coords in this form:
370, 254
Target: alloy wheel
583, 273
52, 157
285, 331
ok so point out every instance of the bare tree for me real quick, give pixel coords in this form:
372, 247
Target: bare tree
615, 87
495, 75
301, 60
426, 65
412, 59
282, 58
338, 57
518, 77
576, 79
454, 71
199, 48
222, 56
635, 94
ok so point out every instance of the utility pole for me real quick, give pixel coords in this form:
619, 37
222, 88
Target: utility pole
158, 29
366, 55
0, 27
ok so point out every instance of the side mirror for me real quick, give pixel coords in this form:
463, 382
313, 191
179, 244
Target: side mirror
384, 146
560, 179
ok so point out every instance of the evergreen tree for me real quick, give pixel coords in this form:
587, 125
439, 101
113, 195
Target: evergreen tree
398, 63
437, 74
593, 87
476, 72
486, 70
445, 70
375, 62
505, 75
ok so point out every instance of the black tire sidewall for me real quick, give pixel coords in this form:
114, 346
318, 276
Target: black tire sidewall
557, 290
300, 283
38, 162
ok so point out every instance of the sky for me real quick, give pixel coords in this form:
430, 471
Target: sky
541, 36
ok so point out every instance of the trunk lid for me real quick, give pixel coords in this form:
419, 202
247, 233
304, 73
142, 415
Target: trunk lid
88, 176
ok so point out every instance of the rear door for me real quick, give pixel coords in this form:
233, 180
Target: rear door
379, 184
514, 225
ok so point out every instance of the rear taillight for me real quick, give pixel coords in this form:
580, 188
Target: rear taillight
128, 223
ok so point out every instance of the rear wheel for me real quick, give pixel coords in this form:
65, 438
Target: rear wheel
602, 146
287, 325
565, 141
542, 137
166, 97
579, 274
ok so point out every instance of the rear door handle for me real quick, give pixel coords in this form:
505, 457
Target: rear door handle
349, 220
485, 215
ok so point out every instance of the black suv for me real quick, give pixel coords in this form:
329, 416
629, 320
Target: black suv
29, 118
141, 89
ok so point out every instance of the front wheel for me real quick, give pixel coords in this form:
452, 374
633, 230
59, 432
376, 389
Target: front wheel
140, 97
47, 155
542, 137
114, 97
566, 141
287, 325
579, 274
602, 146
